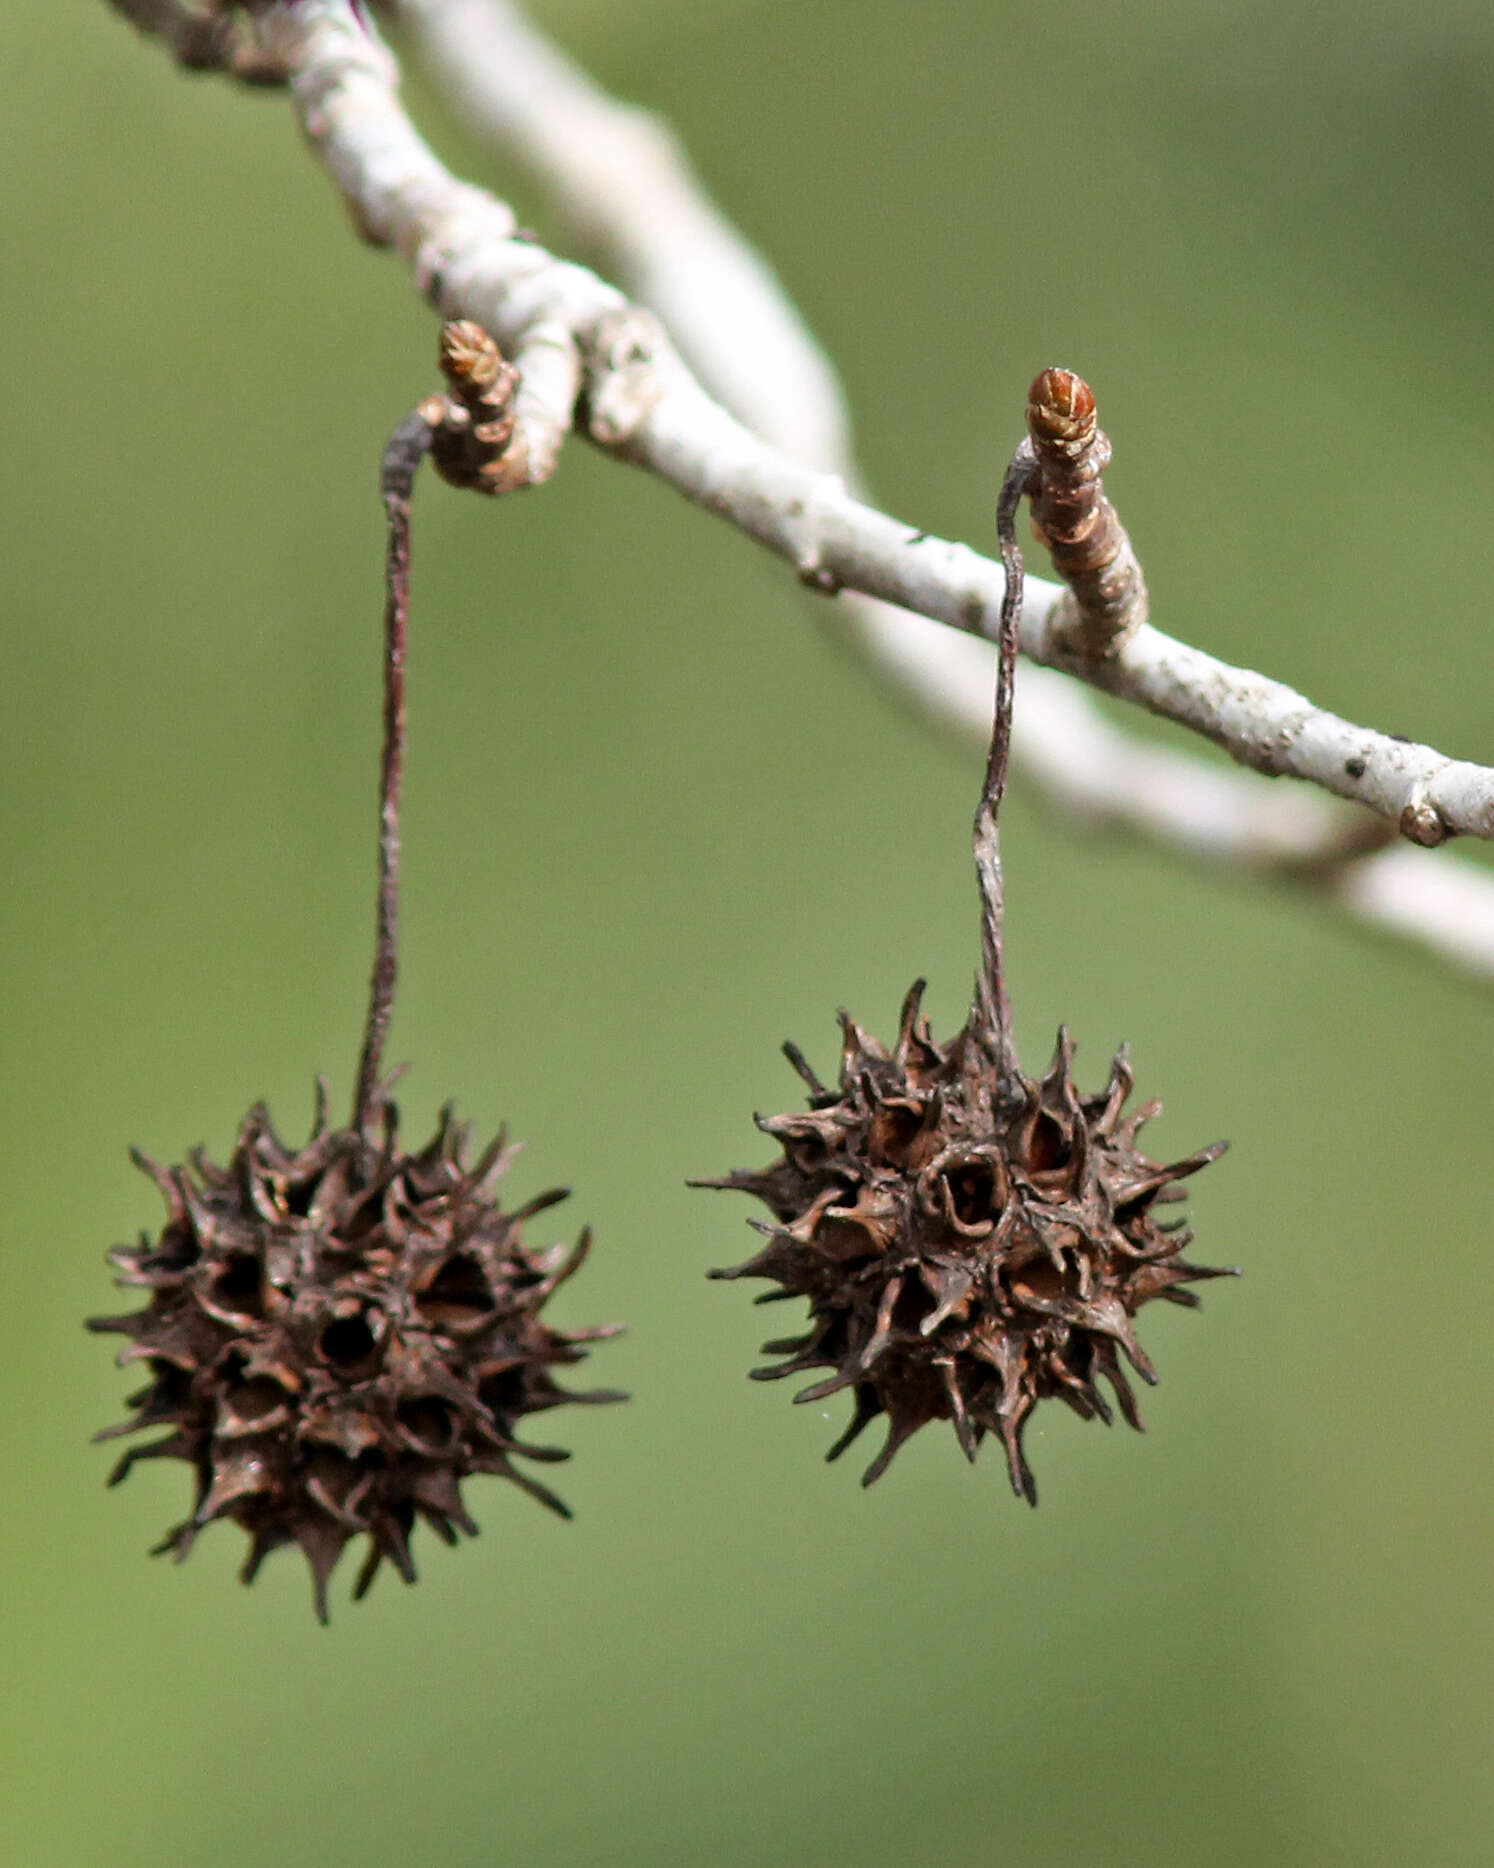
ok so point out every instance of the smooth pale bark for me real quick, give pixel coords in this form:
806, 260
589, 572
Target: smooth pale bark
778, 468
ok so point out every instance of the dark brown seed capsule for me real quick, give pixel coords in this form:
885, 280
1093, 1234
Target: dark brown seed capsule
969, 1241
337, 1336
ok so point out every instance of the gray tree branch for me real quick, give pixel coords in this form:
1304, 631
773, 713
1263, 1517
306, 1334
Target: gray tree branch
585, 349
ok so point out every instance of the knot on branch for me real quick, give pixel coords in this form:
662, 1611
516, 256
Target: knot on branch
629, 369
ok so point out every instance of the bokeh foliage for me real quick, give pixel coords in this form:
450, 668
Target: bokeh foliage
655, 824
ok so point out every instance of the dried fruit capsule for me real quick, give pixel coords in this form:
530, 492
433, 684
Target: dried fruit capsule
971, 1241
337, 1336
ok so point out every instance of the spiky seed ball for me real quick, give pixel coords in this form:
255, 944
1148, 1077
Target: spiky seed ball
970, 1243
337, 1337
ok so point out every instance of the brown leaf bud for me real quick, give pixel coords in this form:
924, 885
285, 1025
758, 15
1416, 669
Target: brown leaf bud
1060, 407
1072, 517
470, 444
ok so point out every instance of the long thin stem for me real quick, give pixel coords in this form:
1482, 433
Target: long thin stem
408, 446
993, 1012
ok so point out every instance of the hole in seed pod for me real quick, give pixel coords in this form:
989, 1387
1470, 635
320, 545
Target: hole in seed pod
912, 1305
173, 1383
335, 1472
807, 1152
256, 1399
298, 1197
502, 1394
430, 1423
1047, 1146
237, 1286
1133, 1214
850, 1241
169, 1394
972, 1192
361, 1218
1041, 1280
247, 1404
341, 1485
175, 1250
894, 1131
459, 1292
349, 1345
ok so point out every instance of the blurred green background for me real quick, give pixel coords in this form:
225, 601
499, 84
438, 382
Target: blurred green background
656, 824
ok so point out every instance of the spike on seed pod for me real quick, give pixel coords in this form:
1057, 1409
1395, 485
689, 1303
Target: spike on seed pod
971, 1241
338, 1336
